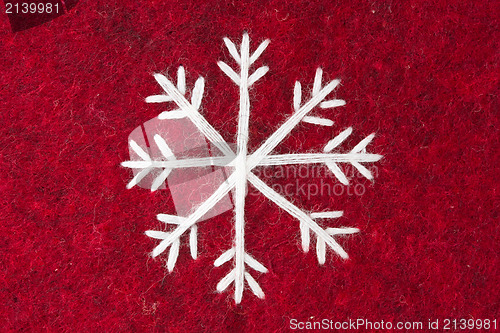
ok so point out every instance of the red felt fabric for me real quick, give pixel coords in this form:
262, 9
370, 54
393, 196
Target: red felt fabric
422, 75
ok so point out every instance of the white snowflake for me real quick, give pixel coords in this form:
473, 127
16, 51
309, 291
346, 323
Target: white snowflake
242, 165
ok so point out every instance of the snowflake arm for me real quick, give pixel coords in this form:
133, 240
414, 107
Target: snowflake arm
190, 109
189, 221
174, 250
306, 221
319, 95
356, 156
244, 80
168, 163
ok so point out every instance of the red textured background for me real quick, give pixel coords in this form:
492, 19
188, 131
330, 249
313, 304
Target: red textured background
423, 76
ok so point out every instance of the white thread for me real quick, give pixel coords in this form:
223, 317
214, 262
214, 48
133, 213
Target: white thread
317, 121
337, 172
364, 171
173, 255
289, 125
175, 114
197, 93
181, 80
336, 141
243, 164
297, 213
193, 241
225, 257
258, 74
332, 104
320, 250
170, 219
260, 49
244, 81
363, 143
305, 236
297, 99
240, 172
139, 151
341, 231
317, 82
229, 72
174, 250
138, 177
254, 286
137, 164
318, 158
164, 148
160, 179
183, 163
156, 234
232, 50
181, 86
226, 281
223, 189
158, 99
297, 96
250, 261
198, 120
327, 215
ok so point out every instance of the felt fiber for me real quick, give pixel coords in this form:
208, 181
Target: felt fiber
422, 75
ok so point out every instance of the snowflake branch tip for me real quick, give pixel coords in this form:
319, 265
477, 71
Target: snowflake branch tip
156, 234
174, 114
327, 215
239, 270
258, 52
158, 99
229, 72
258, 74
244, 60
170, 219
336, 141
254, 286
232, 50
362, 144
169, 239
297, 100
225, 257
235, 54
332, 103
226, 281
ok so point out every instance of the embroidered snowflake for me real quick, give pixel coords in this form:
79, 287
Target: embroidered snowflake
159, 162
